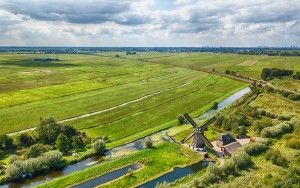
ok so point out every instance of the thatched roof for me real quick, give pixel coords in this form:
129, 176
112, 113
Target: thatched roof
229, 149
225, 139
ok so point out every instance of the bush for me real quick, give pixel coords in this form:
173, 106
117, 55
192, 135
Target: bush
293, 143
215, 106
181, 120
77, 143
284, 117
294, 97
18, 168
2, 154
276, 158
99, 147
48, 130
24, 140
6, 143
277, 130
255, 148
262, 112
261, 124
241, 159
271, 115
148, 143
62, 143
36, 150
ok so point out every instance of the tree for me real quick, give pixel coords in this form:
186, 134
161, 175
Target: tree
148, 143
68, 130
62, 143
77, 143
48, 130
36, 150
181, 120
242, 131
215, 105
99, 147
24, 140
6, 143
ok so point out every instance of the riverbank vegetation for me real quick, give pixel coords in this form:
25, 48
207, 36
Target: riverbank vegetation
155, 161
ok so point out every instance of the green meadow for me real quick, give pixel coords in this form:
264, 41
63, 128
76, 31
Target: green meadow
80, 84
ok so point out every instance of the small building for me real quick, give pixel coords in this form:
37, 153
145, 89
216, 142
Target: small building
229, 149
225, 139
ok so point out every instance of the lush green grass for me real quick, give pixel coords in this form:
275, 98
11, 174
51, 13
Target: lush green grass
155, 162
277, 104
83, 84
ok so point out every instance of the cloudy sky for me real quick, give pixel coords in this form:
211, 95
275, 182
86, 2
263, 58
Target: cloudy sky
150, 22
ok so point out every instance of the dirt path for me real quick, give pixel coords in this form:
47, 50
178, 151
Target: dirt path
105, 110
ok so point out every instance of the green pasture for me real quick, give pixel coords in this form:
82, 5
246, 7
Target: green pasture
156, 162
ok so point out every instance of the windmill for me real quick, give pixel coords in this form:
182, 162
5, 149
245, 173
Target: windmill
199, 140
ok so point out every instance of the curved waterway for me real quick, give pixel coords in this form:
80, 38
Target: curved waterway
133, 146
110, 176
176, 174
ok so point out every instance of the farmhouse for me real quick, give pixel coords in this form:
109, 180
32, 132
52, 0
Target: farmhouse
229, 149
225, 139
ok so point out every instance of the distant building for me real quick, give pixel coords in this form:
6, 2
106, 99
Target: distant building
46, 59
130, 53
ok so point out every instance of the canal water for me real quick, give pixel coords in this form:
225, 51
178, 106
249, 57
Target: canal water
133, 146
110, 176
177, 173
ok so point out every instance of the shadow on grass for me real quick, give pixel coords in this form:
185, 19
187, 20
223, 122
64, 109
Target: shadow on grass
32, 63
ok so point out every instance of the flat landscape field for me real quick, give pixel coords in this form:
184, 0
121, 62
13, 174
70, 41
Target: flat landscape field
121, 98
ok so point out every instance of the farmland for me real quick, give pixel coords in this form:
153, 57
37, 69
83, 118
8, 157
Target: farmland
120, 98
94, 83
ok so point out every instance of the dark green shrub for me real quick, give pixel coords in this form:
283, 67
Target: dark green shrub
36, 150
277, 130
215, 105
77, 143
62, 143
255, 148
276, 158
2, 154
18, 168
99, 147
24, 140
271, 115
262, 112
294, 97
48, 130
148, 143
6, 143
261, 124
181, 120
293, 143
284, 117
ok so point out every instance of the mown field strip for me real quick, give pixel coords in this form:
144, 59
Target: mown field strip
121, 105
64, 107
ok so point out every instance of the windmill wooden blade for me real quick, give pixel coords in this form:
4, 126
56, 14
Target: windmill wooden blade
207, 142
192, 122
203, 127
188, 137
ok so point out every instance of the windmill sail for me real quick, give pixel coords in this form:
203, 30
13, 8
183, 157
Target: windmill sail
188, 117
188, 137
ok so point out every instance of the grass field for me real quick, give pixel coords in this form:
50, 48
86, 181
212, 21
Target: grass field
80, 84
155, 162
278, 105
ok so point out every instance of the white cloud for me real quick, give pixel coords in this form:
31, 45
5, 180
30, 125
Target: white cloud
144, 23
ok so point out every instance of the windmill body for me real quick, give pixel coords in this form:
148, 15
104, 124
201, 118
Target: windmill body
199, 141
